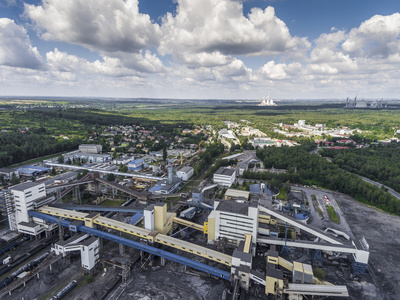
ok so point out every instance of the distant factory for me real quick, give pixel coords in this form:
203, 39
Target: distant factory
363, 104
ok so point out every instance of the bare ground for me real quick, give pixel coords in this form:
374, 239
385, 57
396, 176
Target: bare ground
381, 231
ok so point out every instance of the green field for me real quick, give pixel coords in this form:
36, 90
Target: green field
332, 214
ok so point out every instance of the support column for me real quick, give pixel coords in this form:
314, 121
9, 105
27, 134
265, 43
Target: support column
121, 249
60, 231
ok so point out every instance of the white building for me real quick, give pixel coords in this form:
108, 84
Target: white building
25, 194
225, 176
88, 246
8, 173
91, 148
231, 220
185, 173
123, 160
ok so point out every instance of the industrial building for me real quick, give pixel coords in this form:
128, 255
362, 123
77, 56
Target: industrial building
87, 157
225, 176
237, 195
185, 173
8, 173
166, 186
91, 148
123, 160
136, 165
232, 220
32, 171
245, 227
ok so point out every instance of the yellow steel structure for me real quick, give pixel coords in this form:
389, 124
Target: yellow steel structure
64, 213
247, 242
153, 236
285, 264
189, 224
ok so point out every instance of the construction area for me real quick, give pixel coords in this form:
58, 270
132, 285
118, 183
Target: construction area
247, 245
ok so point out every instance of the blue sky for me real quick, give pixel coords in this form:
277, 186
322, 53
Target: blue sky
224, 49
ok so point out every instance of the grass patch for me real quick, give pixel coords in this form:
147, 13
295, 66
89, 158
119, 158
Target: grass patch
316, 206
35, 160
282, 194
112, 202
332, 214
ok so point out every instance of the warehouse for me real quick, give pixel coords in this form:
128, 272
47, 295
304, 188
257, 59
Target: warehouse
225, 176
185, 173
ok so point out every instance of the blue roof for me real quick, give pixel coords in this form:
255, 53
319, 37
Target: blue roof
156, 188
137, 161
32, 169
136, 218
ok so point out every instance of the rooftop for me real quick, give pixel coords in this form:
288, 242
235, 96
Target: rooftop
225, 171
185, 169
24, 186
233, 207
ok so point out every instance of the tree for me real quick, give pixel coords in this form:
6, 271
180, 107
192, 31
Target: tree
53, 171
111, 177
123, 168
14, 179
60, 159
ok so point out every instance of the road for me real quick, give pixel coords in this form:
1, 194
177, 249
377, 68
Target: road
325, 222
391, 191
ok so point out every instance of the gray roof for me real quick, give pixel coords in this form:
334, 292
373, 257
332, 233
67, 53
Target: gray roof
24, 186
6, 170
185, 169
242, 255
225, 171
233, 207
89, 241
274, 273
28, 224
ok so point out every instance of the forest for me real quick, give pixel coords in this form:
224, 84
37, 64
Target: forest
17, 147
377, 162
311, 169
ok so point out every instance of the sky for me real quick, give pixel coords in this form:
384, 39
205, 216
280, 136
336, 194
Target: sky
200, 49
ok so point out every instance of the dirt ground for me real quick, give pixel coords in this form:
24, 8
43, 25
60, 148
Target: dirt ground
381, 231
173, 282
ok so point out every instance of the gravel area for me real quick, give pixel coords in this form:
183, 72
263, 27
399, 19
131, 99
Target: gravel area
381, 231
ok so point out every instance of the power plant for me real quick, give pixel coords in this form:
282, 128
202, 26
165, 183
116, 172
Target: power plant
243, 240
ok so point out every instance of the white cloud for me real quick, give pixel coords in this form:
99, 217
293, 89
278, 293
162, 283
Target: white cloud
201, 29
378, 37
105, 25
274, 71
62, 62
15, 47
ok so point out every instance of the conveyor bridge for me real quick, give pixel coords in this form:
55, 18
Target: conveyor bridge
97, 208
153, 236
137, 245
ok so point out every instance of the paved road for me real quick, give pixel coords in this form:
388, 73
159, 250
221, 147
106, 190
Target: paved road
393, 192
326, 222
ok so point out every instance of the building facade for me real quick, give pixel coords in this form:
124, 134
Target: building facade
185, 173
225, 176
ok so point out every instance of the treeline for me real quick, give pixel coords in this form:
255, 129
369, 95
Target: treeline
377, 162
207, 157
309, 169
16, 147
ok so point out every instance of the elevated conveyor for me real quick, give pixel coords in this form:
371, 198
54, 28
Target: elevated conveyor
309, 245
188, 224
153, 236
97, 208
300, 225
137, 245
121, 188
131, 175
317, 290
